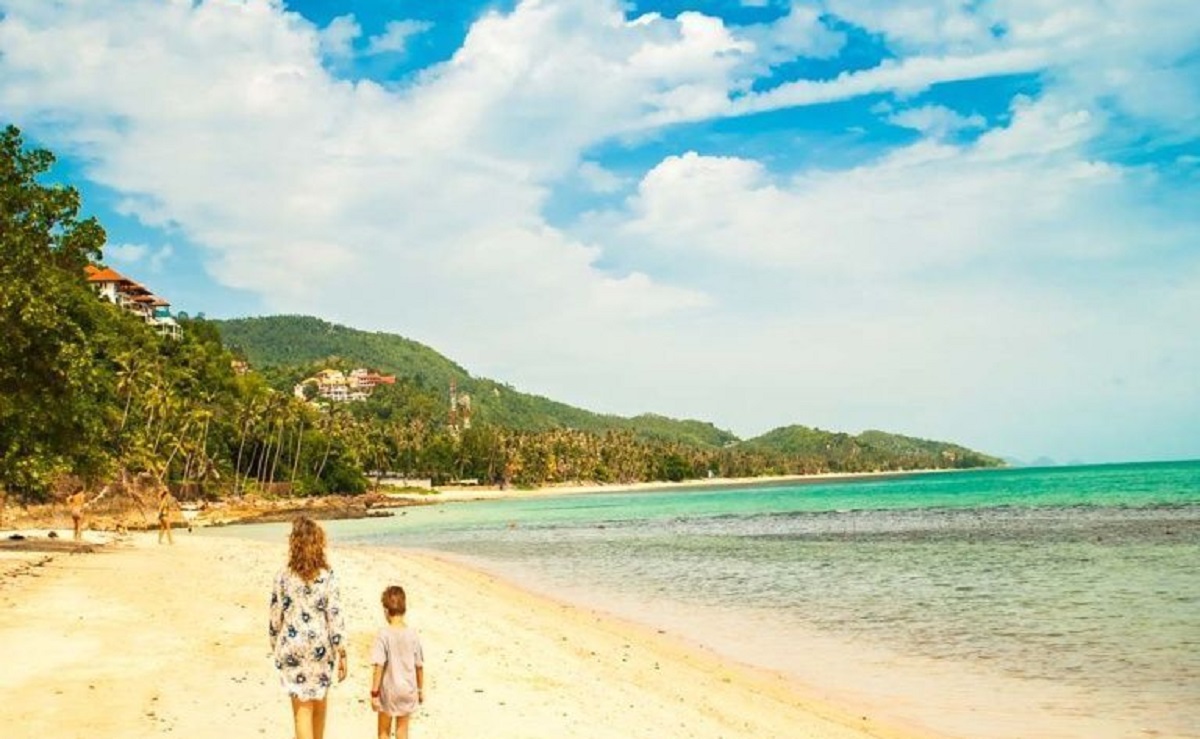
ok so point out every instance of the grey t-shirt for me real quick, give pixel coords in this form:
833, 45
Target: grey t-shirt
399, 651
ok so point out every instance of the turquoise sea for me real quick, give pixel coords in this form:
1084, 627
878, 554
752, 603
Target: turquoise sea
1063, 601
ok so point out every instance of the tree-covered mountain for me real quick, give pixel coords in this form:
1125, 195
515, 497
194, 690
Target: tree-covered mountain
289, 348
295, 341
870, 449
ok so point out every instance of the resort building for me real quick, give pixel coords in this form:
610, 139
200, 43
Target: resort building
134, 298
339, 387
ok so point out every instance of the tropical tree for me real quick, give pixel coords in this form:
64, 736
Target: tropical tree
52, 392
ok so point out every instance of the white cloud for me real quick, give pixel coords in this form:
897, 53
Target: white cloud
314, 192
942, 283
926, 27
936, 121
396, 35
919, 291
906, 77
1139, 55
337, 39
126, 253
142, 255
924, 207
799, 32
598, 179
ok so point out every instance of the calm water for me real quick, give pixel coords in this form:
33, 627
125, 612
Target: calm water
1082, 580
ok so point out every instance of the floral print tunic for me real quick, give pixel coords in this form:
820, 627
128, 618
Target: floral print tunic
307, 630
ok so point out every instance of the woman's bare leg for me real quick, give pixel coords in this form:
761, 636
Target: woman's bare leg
402, 727
302, 716
318, 720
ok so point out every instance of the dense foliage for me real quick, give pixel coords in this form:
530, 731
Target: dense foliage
870, 450
91, 395
289, 348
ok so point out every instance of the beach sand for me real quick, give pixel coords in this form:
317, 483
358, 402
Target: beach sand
453, 493
141, 640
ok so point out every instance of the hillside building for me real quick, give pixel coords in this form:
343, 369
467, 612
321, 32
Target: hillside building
134, 298
340, 387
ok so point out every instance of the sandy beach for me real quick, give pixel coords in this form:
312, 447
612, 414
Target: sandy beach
140, 640
452, 493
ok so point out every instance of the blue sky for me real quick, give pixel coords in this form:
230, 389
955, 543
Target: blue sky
973, 221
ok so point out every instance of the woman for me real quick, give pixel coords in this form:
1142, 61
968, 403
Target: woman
165, 502
307, 629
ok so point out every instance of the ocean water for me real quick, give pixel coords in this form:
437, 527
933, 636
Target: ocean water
1005, 603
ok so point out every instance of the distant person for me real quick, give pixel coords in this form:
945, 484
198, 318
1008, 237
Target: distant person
77, 502
398, 680
307, 628
166, 502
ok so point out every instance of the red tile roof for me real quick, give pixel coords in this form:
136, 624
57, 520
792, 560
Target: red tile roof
106, 274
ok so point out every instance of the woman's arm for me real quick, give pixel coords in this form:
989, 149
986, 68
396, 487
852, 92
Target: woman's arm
276, 619
420, 684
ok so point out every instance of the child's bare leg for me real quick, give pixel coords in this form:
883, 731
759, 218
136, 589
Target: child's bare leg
302, 716
318, 718
402, 727
383, 727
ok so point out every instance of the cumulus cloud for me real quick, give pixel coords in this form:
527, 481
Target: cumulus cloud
302, 186
919, 288
141, 256
599, 179
126, 253
936, 121
927, 206
337, 39
395, 36
1138, 56
988, 275
905, 77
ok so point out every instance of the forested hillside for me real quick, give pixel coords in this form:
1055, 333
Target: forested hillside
870, 449
297, 341
289, 348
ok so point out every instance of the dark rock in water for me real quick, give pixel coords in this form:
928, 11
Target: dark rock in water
16, 537
52, 535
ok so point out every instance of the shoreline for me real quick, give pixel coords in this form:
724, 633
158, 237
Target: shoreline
155, 656
114, 517
456, 494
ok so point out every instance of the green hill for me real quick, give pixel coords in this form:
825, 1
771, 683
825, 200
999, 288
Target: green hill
286, 348
870, 449
283, 341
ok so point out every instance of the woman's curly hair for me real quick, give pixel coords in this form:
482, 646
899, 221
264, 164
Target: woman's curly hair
306, 549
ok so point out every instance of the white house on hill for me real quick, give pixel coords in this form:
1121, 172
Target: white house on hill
135, 298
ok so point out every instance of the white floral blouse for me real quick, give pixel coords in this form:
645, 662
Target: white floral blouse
307, 630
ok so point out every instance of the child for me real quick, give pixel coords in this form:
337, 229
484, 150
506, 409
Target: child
397, 684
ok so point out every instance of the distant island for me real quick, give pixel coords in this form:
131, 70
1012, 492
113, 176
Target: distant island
105, 390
